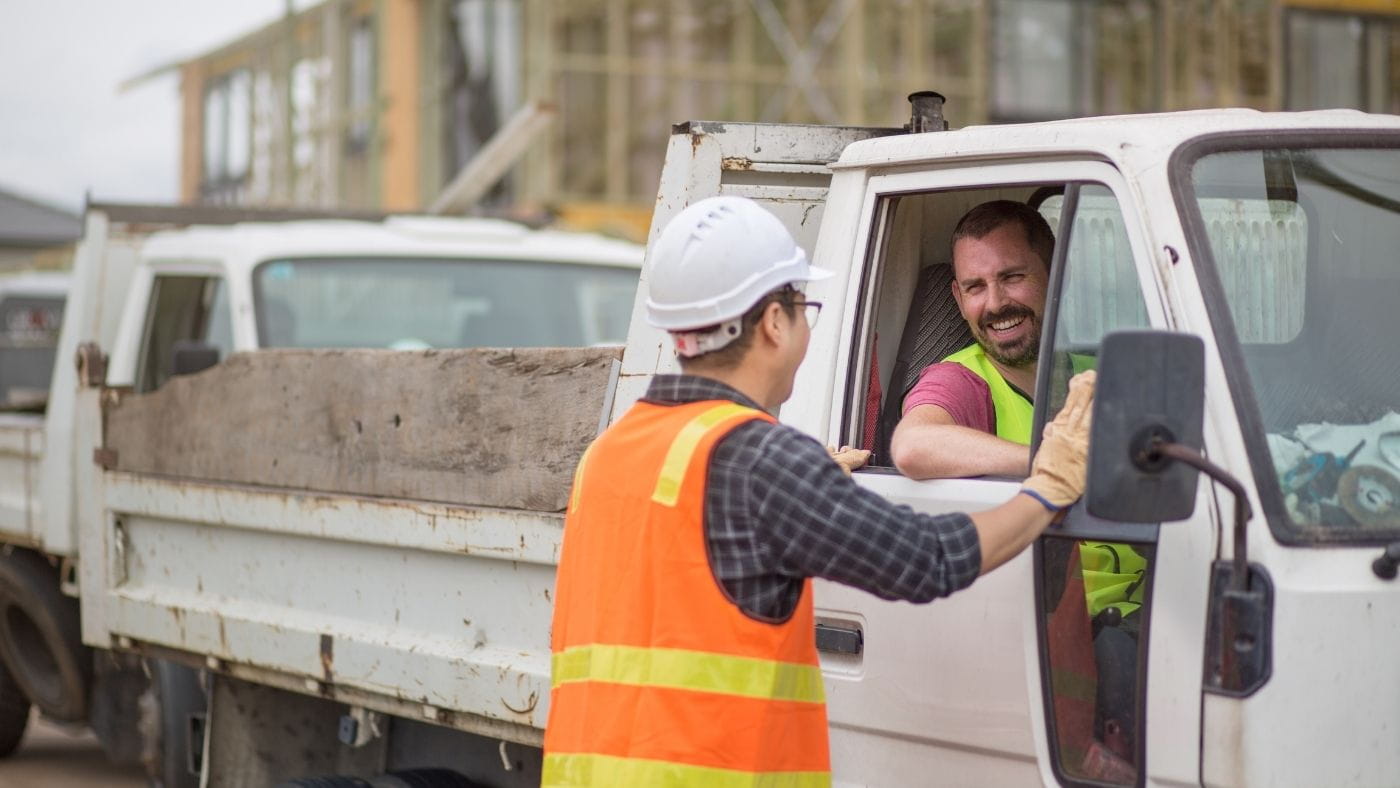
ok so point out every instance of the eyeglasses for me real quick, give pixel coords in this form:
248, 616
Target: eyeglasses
813, 310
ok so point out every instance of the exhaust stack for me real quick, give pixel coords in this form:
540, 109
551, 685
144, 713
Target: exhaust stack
926, 112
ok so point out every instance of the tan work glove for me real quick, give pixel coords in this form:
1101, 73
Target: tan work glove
848, 458
1057, 474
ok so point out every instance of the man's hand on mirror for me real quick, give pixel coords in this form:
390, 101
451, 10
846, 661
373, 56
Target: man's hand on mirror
1059, 470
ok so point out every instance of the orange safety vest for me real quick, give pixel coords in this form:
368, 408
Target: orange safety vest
658, 677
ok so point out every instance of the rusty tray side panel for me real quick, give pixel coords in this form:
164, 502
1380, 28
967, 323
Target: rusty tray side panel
477, 427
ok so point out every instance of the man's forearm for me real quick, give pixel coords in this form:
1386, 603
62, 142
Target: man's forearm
1005, 531
942, 451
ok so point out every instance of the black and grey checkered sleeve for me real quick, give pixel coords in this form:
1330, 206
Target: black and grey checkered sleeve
809, 519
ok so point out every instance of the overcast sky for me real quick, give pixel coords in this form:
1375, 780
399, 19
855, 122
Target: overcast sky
64, 128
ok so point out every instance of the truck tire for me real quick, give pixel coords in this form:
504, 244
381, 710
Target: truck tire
330, 781
14, 713
40, 640
424, 778
411, 778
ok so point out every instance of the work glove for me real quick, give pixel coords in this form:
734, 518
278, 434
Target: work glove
848, 458
1058, 472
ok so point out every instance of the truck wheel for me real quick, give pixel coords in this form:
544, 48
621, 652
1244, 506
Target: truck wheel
424, 778
40, 639
331, 781
14, 713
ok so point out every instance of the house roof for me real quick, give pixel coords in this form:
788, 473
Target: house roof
26, 222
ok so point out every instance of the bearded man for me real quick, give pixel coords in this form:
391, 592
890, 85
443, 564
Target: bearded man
970, 414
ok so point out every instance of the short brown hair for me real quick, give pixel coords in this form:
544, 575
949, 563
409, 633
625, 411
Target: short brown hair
731, 354
982, 220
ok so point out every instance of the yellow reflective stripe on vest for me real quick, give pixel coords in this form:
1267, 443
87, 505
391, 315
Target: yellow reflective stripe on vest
578, 479
596, 770
701, 671
668, 485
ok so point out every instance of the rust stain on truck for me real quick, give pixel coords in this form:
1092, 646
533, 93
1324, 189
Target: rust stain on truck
327, 658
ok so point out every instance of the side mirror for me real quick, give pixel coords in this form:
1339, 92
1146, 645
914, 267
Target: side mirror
188, 357
1151, 390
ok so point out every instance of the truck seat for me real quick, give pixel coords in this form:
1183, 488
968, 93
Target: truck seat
934, 329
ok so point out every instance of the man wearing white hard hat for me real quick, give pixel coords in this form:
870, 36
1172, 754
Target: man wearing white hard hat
683, 632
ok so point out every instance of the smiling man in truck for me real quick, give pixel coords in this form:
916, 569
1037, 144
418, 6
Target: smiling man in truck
972, 414
683, 633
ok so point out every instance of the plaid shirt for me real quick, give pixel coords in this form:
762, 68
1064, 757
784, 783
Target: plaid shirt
778, 510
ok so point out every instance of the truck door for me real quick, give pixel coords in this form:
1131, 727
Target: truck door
1039, 671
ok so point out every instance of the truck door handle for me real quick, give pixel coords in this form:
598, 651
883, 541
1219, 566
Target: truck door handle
841, 640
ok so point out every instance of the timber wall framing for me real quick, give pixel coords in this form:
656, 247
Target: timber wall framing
621, 72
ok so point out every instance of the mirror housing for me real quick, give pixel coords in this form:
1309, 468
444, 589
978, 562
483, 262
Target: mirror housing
189, 356
1151, 386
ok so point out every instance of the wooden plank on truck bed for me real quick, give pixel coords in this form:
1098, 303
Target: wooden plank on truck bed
478, 427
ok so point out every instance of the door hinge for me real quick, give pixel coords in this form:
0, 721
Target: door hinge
1239, 632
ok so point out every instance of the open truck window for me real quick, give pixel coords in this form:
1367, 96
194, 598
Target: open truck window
1303, 243
915, 320
441, 303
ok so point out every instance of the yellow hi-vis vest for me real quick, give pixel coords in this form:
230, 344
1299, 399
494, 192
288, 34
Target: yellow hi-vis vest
1113, 572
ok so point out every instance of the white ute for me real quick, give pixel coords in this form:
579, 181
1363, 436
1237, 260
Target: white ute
358, 547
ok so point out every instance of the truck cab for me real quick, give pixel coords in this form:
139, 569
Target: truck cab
1264, 235
405, 283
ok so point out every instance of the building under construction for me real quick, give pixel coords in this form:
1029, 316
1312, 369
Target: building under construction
378, 104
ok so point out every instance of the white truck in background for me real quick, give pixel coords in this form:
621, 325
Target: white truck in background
31, 313
171, 290
357, 547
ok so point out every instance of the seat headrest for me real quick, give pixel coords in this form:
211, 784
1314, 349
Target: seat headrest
935, 328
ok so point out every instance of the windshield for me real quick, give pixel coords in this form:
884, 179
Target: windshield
441, 303
1306, 242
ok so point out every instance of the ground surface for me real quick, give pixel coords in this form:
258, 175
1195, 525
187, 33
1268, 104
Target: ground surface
54, 757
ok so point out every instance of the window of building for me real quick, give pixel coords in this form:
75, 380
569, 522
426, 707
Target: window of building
1068, 58
482, 88
1340, 60
307, 76
1041, 49
227, 129
360, 85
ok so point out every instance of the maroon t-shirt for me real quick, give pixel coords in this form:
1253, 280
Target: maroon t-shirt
958, 390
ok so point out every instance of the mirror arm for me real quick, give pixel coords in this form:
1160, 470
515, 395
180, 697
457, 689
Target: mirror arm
1159, 448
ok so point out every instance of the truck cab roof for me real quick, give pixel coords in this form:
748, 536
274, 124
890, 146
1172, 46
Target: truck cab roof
248, 244
1126, 139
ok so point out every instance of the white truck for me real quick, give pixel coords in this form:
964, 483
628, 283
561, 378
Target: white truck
171, 290
357, 547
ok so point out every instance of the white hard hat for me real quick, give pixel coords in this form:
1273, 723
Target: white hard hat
716, 259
